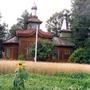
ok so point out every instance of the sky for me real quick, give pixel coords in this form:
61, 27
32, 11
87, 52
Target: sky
12, 9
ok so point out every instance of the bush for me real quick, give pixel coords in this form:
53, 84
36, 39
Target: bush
80, 55
44, 50
21, 57
87, 56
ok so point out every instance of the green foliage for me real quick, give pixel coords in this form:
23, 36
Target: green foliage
81, 7
87, 56
3, 31
79, 31
87, 43
54, 23
21, 24
80, 22
13, 30
44, 49
20, 77
80, 55
77, 55
61, 81
21, 57
22, 21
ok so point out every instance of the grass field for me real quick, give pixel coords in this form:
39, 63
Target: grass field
47, 76
61, 81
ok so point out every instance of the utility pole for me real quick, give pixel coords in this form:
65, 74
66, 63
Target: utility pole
36, 41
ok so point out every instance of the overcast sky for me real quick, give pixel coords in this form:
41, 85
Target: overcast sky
12, 9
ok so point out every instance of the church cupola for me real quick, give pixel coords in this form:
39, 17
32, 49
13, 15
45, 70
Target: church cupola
33, 21
34, 10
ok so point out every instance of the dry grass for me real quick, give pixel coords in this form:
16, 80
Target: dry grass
43, 67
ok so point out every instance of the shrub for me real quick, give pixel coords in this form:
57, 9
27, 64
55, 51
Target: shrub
87, 55
44, 49
80, 55
21, 57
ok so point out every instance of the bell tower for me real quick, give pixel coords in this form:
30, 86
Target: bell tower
33, 21
34, 10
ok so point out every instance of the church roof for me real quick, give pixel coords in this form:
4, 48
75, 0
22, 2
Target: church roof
34, 19
61, 42
65, 31
13, 40
28, 33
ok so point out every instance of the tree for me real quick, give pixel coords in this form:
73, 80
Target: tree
44, 50
80, 25
3, 32
54, 23
13, 30
21, 24
87, 44
3, 29
80, 22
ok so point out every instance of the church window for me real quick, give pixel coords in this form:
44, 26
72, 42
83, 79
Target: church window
7, 53
67, 54
55, 55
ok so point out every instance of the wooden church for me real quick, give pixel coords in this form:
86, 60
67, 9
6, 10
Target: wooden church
20, 44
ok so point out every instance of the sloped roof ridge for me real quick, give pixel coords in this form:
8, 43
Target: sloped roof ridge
31, 32
12, 40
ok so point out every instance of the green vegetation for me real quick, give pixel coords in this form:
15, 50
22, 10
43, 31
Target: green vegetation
44, 50
80, 31
21, 57
80, 55
20, 77
80, 22
54, 23
21, 23
61, 81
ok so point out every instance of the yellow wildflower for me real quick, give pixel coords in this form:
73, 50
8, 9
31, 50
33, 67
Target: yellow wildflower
21, 65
